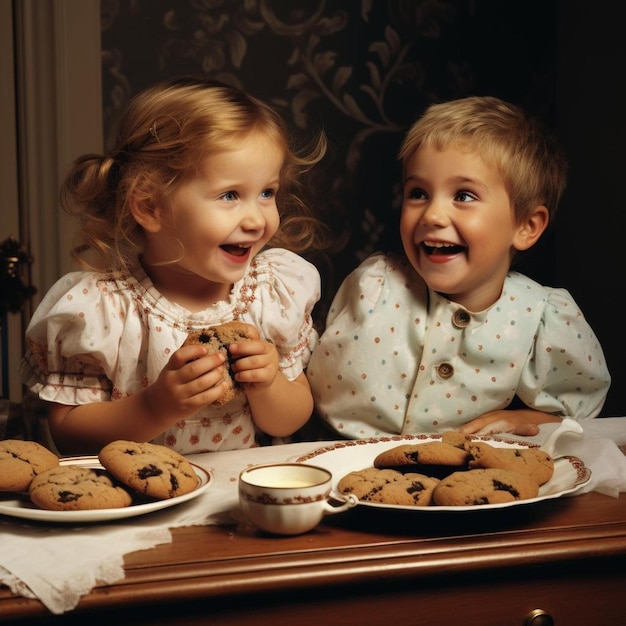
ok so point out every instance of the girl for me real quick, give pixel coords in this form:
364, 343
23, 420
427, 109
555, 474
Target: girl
181, 229
449, 337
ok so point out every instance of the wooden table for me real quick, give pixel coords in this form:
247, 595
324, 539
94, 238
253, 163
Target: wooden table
565, 557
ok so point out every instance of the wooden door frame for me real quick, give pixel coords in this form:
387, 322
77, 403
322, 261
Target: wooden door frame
50, 112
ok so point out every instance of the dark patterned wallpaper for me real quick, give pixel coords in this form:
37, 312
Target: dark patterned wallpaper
361, 69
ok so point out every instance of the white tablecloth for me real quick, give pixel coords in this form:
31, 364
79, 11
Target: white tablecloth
60, 563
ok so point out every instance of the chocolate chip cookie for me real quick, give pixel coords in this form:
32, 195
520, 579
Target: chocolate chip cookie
75, 488
484, 486
387, 486
21, 461
433, 458
530, 461
149, 469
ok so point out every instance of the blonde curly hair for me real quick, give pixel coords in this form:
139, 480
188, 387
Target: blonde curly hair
165, 131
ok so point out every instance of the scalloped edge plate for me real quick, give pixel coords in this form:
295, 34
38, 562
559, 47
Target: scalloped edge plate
341, 458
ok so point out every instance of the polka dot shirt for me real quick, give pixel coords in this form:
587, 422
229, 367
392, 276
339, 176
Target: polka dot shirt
397, 357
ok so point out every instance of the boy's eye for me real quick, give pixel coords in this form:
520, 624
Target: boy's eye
464, 196
416, 194
229, 196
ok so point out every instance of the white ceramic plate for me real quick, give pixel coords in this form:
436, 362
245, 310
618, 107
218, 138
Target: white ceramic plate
25, 509
341, 458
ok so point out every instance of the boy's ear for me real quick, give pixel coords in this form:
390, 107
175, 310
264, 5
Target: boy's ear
148, 217
531, 228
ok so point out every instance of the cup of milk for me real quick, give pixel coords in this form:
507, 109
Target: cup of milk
288, 498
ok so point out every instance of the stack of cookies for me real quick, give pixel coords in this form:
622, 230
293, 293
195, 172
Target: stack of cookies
456, 471
129, 471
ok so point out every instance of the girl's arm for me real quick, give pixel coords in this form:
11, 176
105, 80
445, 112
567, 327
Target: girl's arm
279, 406
283, 407
190, 380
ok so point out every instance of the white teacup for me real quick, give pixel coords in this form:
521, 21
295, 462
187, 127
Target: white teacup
287, 498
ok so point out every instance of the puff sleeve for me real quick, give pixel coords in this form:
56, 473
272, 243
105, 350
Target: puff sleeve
72, 342
288, 287
566, 372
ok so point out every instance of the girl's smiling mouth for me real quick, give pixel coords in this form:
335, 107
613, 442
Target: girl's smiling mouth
237, 253
236, 250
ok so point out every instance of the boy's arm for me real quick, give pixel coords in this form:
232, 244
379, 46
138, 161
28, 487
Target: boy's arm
524, 422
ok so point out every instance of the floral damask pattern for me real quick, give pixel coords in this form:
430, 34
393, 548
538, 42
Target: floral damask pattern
362, 70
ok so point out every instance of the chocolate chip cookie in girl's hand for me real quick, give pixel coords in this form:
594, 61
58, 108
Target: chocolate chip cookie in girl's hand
181, 230
218, 339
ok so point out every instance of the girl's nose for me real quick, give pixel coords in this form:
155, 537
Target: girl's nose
254, 218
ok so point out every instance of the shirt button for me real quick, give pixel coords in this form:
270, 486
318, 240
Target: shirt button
461, 318
445, 370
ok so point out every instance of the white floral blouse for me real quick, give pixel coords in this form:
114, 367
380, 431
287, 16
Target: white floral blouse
397, 357
96, 337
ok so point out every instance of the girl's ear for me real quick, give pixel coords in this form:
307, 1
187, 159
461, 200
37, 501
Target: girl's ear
531, 228
148, 217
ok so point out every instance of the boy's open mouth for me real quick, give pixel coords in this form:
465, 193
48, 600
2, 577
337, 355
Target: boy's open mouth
441, 249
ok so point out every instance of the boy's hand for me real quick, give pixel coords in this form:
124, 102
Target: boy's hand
502, 426
524, 422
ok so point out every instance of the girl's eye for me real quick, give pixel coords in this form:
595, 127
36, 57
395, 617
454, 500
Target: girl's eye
464, 196
230, 196
268, 193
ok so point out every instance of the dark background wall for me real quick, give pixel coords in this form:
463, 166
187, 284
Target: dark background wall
589, 250
364, 70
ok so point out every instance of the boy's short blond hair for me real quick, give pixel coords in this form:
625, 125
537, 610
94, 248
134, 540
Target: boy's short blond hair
524, 151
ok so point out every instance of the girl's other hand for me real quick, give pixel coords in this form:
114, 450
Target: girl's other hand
254, 362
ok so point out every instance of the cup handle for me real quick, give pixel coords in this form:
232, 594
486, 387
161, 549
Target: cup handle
347, 501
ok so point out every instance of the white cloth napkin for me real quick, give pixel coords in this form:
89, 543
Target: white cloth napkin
598, 448
59, 563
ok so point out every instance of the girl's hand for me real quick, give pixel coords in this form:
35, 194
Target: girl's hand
190, 380
254, 362
278, 406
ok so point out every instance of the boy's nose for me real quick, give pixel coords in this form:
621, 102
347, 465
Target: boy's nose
434, 214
